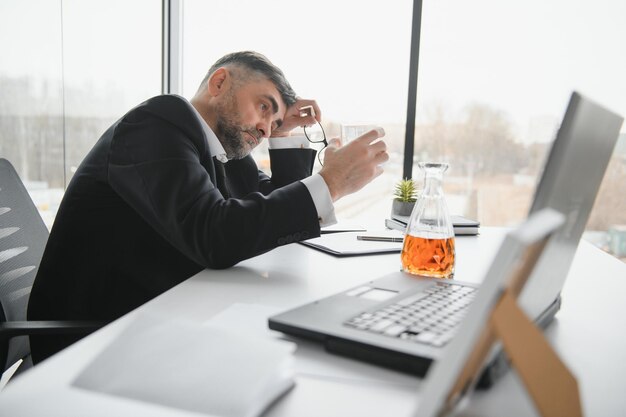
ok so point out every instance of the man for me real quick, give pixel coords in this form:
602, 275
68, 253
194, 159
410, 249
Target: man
170, 189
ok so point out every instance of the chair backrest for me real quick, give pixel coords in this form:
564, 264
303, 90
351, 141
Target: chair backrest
23, 237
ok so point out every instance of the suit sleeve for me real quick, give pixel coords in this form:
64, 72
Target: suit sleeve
165, 176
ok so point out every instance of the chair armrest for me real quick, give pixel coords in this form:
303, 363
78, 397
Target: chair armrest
53, 327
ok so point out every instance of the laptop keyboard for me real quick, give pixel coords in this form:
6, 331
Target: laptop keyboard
429, 317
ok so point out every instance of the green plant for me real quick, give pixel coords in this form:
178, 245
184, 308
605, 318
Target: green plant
406, 191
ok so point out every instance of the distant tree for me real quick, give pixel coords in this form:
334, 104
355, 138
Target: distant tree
432, 137
482, 143
536, 154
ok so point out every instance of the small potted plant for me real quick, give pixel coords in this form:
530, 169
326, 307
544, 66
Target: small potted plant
405, 195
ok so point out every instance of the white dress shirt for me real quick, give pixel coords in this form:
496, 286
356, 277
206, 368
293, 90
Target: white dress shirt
315, 183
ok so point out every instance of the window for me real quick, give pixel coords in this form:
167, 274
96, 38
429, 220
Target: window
493, 83
494, 80
31, 102
112, 62
68, 71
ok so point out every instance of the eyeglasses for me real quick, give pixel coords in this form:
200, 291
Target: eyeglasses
323, 140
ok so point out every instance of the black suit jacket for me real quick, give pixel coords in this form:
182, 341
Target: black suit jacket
143, 212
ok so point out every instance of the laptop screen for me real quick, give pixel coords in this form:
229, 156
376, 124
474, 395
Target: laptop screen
569, 184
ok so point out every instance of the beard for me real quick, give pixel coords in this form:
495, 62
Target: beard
231, 132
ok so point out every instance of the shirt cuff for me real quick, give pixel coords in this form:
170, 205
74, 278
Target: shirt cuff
321, 198
289, 142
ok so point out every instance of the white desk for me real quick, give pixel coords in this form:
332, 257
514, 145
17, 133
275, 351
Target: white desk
588, 333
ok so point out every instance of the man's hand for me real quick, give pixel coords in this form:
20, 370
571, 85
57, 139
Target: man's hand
349, 168
295, 117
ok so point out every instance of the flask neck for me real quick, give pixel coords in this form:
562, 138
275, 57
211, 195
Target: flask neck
432, 184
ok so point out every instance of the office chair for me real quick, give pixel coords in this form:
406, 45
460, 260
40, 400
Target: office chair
23, 237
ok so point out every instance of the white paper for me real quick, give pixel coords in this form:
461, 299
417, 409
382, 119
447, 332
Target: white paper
246, 318
184, 365
310, 359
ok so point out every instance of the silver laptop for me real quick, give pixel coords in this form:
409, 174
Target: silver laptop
450, 379
403, 323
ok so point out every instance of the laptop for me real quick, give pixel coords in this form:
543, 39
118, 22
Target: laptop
453, 377
404, 322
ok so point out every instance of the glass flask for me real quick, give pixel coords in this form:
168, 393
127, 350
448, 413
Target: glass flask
428, 248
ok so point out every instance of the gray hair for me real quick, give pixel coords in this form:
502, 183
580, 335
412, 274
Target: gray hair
254, 62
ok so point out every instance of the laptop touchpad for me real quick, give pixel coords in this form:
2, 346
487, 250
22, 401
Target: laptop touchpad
378, 294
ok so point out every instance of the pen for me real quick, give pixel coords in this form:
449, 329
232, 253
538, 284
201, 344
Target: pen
380, 238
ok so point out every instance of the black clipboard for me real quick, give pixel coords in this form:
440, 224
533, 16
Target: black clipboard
346, 244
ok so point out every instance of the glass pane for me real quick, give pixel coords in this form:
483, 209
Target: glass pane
31, 97
112, 62
351, 56
68, 71
494, 81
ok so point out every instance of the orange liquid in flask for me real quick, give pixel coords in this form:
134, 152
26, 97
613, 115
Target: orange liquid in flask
429, 257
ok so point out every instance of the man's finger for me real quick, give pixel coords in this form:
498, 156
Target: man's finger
307, 121
371, 136
334, 143
378, 147
317, 111
381, 157
305, 110
310, 107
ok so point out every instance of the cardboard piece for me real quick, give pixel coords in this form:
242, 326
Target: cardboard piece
551, 385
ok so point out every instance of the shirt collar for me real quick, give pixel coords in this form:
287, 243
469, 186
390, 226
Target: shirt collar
215, 146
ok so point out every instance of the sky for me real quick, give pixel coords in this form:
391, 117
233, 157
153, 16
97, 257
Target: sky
85, 44
525, 57
521, 58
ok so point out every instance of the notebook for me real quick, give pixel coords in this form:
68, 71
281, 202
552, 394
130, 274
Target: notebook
184, 365
462, 225
569, 184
